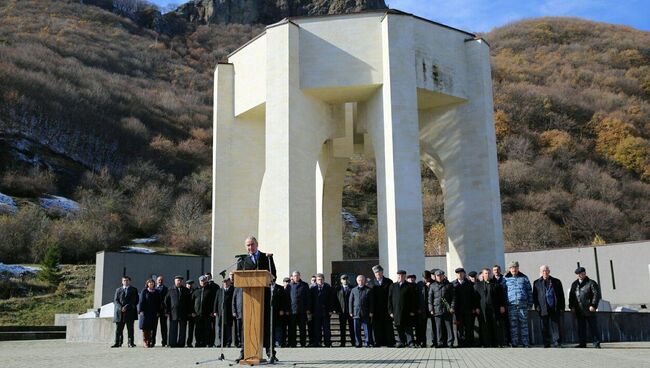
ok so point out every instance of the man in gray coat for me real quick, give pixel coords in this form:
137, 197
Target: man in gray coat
359, 306
125, 301
237, 312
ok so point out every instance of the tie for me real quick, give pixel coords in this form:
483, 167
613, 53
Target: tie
253, 257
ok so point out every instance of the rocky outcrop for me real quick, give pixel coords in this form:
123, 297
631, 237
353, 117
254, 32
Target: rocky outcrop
267, 11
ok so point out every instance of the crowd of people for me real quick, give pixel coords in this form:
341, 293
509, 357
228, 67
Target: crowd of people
486, 309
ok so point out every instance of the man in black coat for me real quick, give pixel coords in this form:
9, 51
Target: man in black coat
280, 303
189, 284
548, 298
223, 306
203, 311
162, 289
257, 260
125, 302
583, 301
465, 308
212, 332
177, 309
382, 325
300, 304
346, 322
402, 305
322, 306
441, 302
491, 305
503, 322
424, 318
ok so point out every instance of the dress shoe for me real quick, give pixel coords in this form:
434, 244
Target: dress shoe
116, 346
581, 346
597, 345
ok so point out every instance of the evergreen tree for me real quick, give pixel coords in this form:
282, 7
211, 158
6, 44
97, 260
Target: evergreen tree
50, 266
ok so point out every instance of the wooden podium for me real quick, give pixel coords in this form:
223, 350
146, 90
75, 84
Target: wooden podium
253, 284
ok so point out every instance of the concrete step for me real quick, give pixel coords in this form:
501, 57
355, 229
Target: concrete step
9, 333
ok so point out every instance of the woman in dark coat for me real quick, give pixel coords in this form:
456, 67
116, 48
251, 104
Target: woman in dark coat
148, 311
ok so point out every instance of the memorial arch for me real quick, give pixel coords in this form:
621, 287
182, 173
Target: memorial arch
295, 103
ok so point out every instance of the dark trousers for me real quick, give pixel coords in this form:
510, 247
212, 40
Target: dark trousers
284, 325
382, 327
503, 329
202, 331
363, 323
225, 332
584, 320
445, 328
551, 329
190, 331
238, 332
212, 332
322, 330
465, 325
346, 323
119, 332
298, 321
177, 333
488, 332
405, 333
162, 321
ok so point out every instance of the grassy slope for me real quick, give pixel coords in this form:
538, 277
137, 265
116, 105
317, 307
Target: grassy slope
76, 296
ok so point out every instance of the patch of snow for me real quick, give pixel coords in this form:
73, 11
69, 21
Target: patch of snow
350, 219
57, 203
130, 249
17, 270
7, 204
148, 240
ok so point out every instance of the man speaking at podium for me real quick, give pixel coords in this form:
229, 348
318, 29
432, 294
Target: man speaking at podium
256, 260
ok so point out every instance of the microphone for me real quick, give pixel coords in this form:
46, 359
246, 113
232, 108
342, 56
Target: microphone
241, 256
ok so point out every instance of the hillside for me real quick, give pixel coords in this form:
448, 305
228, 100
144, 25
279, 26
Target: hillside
102, 108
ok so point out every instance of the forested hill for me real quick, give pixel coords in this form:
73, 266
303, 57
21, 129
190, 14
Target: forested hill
99, 107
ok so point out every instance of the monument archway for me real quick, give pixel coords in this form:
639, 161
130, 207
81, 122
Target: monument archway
293, 105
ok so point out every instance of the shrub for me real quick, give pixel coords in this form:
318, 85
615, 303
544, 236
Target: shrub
528, 230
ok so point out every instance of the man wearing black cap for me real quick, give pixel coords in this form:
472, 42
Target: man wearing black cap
441, 303
382, 326
583, 301
345, 319
223, 307
177, 309
402, 306
466, 304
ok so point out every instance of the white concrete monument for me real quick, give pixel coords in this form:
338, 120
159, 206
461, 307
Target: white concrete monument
295, 103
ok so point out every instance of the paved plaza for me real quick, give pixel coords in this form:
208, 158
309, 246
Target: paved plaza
58, 353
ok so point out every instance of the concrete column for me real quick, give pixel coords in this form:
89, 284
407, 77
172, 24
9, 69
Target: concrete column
395, 140
330, 176
463, 144
238, 166
297, 125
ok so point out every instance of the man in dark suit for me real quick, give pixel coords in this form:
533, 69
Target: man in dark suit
257, 260
299, 303
503, 322
212, 332
162, 289
177, 309
322, 306
491, 304
189, 284
346, 322
402, 305
465, 308
223, 306
125, 301
382, 325
548, 299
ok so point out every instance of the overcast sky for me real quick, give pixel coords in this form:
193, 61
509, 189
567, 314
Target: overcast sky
483, 15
